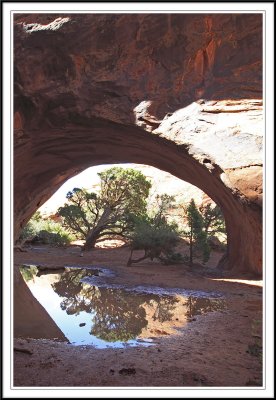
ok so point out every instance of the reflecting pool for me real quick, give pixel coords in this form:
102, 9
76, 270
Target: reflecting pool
90, 313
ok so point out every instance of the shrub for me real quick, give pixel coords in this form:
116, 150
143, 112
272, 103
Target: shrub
45, 231
175, 258
156, 237
51, 238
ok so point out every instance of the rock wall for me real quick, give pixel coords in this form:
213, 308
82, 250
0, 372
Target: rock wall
180, 92
30, 318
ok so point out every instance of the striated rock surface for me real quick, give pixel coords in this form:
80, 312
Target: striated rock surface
180, 92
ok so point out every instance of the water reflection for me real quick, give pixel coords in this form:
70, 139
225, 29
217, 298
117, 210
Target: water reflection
199, 305
102, 316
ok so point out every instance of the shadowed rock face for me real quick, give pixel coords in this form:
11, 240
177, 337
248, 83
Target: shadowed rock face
180, 92
30, 318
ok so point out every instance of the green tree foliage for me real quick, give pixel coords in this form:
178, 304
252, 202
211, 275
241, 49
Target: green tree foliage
155, 235
156, 238
161, 206
51, 238
45, 231
213, 220
28, 272
96, 216
33, 226
196, 233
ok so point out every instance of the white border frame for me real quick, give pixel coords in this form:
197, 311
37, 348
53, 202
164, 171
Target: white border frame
8, 8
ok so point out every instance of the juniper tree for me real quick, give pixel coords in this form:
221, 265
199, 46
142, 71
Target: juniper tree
106, 213
196, 233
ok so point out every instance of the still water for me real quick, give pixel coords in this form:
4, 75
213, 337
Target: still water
89, 312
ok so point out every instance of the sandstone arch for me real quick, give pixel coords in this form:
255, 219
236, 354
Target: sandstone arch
179, 92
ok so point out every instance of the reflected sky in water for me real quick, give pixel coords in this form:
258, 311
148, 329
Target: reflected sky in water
104, 317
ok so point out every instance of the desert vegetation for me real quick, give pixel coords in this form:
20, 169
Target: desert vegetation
121, 208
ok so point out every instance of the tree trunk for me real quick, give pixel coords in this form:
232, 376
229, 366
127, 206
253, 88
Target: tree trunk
95, 233
130, 261
191, 245
91, 239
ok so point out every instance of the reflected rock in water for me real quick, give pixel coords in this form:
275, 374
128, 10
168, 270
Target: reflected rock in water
104, 316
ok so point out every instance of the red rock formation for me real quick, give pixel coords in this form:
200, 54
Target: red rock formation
181, 92
30, 318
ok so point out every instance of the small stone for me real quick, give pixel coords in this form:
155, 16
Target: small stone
127, 371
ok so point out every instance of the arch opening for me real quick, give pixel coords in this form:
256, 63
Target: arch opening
168, 197
105, 146
165, 103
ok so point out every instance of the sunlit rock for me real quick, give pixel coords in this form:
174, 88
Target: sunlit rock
180, 92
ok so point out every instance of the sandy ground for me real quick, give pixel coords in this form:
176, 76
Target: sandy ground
219, 349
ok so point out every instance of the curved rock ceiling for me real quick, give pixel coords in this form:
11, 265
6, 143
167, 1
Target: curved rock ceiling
180, 92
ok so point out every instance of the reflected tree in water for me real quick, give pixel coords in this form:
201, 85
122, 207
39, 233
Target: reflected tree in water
165, 309
28, 272
121, 315
202, 305
117, 315
69, 286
